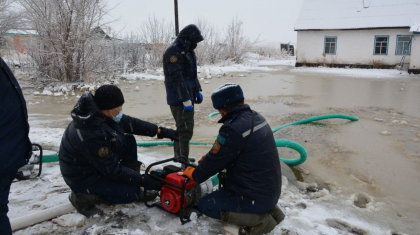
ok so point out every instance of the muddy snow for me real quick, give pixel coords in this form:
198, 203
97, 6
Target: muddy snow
357, 180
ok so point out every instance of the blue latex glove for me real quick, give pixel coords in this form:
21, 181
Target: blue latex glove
199, 98
188, 106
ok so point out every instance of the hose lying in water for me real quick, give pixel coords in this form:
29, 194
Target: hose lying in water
280, 143
54, 157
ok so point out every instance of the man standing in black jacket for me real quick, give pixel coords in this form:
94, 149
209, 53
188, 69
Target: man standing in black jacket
182, 85
98, 153
14, 141
246, 150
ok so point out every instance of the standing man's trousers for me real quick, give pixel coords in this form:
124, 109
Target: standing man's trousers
184, 125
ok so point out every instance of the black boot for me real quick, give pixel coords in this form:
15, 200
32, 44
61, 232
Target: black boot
85, 204
151, 195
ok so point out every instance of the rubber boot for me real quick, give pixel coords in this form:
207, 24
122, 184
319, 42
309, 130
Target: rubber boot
277, 214
252, 224
85, 204
151, 195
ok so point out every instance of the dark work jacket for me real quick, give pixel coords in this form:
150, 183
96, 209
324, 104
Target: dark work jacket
15, 145
253, 175
180, 67
89, 142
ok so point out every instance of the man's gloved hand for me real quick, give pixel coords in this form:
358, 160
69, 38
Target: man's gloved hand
199, 98
168, 133
188, 106
201, 159
150, 184
188, 172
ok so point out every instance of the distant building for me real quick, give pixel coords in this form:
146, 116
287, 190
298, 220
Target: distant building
364, 34
19, 38
290, 49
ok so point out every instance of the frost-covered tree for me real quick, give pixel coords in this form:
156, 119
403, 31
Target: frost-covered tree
9, 19
64, 49
210, 50
9, 16
237, 44
157, 34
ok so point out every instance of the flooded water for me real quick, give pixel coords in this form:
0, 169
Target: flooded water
353, 157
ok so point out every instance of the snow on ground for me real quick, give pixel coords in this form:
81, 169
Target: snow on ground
325, 211
354, 72
218, 70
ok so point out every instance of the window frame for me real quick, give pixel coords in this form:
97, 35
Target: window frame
387, 45
335, 49
409, 49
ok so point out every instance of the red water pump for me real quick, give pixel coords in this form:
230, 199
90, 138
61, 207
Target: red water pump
179, 195
170, 196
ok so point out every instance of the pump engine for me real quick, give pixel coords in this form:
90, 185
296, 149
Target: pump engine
179, 195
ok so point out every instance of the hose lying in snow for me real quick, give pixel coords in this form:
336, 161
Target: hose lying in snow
280, 143
41, 216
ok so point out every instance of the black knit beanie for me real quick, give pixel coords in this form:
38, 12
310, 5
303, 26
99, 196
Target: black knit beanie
108, 97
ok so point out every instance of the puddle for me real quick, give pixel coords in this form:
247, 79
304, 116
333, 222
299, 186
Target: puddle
352, 155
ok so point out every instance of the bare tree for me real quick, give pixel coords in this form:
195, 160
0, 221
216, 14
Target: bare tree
157, 35
209, 51
66, 38
9, 16
237, 45
9, 19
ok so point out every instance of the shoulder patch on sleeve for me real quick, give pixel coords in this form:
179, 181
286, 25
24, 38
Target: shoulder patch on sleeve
103, 151
221, 139
216, 147
173, 59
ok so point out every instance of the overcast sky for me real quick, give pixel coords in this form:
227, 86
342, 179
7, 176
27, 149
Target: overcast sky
273, 20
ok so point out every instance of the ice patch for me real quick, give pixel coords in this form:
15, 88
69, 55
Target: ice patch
70, 220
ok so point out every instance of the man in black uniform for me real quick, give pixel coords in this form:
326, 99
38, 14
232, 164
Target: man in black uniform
98, 154
182, 85
246, 149
15, 145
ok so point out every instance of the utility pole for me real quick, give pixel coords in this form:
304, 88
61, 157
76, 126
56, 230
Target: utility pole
176, 18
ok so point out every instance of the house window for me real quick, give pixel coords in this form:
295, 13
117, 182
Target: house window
381, 45
403, 45
330, 45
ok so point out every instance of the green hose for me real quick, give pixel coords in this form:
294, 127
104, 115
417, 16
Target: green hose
280, 143
167, 143
213, 114
317, 118
296, 146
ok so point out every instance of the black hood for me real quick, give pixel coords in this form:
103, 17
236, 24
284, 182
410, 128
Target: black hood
189, 35
86, 112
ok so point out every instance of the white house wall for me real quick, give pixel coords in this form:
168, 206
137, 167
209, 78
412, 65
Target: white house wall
415, 55
353, 46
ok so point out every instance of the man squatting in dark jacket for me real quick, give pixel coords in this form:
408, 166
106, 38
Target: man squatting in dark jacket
182, 85
98, 153
245, 147
14, 141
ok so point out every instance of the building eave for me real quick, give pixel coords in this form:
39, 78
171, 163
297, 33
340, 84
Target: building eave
401, 27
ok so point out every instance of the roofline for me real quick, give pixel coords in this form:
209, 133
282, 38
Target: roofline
399, 27
19, 34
